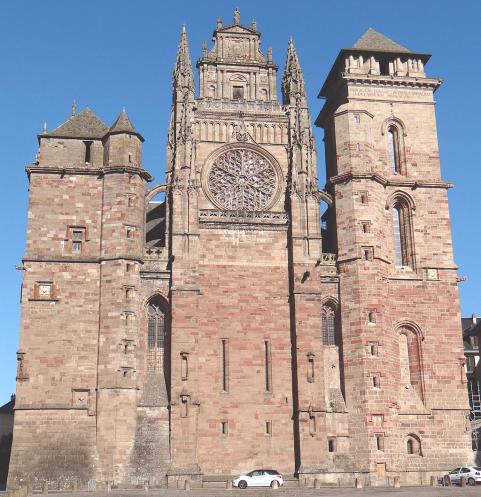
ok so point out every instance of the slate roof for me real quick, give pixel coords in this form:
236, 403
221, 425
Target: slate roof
123, 125
8, 407
372, 40
85, 124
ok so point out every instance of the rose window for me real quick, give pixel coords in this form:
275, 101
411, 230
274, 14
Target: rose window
243, 180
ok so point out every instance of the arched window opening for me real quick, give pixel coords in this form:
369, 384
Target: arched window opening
328, 320
403, 243
155, 222
155, 336
410, 366
393, 150
413, 446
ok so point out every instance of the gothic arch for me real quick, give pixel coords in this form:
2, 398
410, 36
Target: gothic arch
156, 326
399, 196
393, 121
411, 367
330, 321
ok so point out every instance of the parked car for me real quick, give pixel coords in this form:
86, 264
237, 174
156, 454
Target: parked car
471, 473
259, 478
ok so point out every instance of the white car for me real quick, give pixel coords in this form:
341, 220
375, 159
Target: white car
471, 473
259, 478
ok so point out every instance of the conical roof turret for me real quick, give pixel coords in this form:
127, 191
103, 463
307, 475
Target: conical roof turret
123, 125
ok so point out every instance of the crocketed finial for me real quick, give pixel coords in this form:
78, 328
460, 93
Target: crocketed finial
74, 108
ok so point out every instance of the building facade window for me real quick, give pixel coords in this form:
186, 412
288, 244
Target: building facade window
413, 445
224, 360
328, 323
155, 336
267, 366
402, 235
393, 150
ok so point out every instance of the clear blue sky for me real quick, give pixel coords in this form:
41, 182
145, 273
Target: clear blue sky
107, 54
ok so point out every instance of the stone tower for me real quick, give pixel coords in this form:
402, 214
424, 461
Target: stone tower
227, 326
390, 227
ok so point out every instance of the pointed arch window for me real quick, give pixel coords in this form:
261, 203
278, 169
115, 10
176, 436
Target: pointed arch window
402, 234
393, 150
155, 336
328, 323
410, 364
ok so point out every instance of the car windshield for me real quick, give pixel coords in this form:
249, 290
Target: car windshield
477, 468
454, 471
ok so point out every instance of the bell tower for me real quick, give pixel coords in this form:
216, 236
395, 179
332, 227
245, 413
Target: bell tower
390, 224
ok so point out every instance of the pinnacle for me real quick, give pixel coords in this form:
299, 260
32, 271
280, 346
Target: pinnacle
183, 72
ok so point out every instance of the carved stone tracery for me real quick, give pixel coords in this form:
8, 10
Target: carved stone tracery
242, 179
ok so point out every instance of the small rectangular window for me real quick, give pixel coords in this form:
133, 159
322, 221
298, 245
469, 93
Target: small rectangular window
379, 441
129, 293
224, 428
238, 92
364, 198
77, 240
129, 267
88, 152
366, 226
269, 428
225, 364
470, 364
368, 253
331, 445
371, 317
267, 366
373, 349
376, 380
130, 231
184, 366
131, 200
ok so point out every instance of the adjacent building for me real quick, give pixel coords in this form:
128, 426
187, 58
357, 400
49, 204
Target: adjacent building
228, 326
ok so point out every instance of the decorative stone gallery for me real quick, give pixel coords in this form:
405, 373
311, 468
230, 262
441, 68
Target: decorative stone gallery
229, 325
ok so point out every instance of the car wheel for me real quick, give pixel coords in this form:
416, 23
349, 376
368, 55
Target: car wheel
471, 482
242, 484
274, 484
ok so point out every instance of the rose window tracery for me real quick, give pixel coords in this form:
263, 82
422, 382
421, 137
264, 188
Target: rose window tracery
242, 179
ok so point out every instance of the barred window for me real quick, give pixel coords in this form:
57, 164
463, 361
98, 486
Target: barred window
328, 321
156, 337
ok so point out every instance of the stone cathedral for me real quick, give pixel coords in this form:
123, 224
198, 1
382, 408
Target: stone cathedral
229, 325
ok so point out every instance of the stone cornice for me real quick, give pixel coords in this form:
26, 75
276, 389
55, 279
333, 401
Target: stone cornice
62, 171
399, 181
397, 81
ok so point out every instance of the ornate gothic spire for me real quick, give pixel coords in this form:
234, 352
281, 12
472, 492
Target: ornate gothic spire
293, 86
183, 73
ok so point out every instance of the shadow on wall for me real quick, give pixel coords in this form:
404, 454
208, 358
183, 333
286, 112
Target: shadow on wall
5, 449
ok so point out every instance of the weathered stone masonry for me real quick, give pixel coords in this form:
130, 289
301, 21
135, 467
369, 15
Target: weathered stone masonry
229, 326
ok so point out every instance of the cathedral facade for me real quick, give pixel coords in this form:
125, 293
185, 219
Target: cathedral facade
229, 325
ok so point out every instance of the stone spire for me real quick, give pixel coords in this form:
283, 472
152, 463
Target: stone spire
293, 86
181, 143
183, 76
